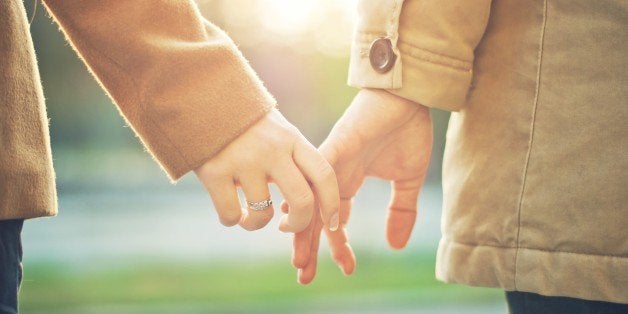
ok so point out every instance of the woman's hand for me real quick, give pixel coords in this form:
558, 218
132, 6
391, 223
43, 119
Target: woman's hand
272, 150
380, 135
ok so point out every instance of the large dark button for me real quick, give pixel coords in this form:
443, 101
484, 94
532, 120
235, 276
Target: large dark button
381, 55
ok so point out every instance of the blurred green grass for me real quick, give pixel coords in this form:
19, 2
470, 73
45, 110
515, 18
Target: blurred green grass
241, 286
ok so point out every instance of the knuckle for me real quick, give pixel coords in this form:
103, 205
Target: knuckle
300, 222
282, 137
325, 172
247, 161
300, 259
303, 201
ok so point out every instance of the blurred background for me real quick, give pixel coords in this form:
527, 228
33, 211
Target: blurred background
127, 241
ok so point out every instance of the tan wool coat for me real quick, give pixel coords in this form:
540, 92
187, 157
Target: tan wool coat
178, 80
535, 172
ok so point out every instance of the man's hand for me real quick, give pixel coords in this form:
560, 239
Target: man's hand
380, 135
272, 150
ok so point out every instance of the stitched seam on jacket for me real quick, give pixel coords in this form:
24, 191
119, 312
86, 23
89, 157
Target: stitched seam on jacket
466, 62
436, 58
392, 19
531, 141
533, 249
390, 31
421, 54
371, 33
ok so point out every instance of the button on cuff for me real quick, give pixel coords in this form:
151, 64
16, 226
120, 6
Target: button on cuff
381, 55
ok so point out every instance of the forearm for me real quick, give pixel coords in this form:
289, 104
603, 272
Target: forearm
178, 80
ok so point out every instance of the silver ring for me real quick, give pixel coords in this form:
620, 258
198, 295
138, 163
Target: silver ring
260, 205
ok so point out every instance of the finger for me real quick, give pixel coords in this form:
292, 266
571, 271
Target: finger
255, 189
323, 182
300, 242
298, 195
306, 274
284, 207
402, 212
301, 245
345, 210
341, 251
338, 242
225, 198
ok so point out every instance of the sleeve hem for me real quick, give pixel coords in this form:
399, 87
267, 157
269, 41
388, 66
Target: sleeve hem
419, 75
178, 166
433, 84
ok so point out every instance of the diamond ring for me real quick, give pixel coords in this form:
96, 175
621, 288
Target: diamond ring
260, 205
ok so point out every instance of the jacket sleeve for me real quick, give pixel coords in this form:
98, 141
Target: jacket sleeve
435, 42
178, 80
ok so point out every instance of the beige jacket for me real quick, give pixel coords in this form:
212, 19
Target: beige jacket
535, 172
178, 80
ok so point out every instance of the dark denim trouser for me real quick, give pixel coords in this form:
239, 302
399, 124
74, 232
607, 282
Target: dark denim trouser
10, 264
532, 303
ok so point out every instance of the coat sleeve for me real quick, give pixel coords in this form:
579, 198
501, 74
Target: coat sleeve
435, 40
179, 81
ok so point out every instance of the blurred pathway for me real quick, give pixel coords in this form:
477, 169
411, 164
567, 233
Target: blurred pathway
110, 227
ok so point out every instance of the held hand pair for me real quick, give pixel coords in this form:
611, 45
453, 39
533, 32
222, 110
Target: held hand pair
380, 135
272, 150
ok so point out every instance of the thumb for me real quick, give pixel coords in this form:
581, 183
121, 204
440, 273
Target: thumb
402, 212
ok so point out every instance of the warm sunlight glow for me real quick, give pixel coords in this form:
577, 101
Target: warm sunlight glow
286, 17
308, 25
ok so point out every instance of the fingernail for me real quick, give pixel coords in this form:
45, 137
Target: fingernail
334, 222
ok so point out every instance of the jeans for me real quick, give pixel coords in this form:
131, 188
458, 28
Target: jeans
532, 303
10, 264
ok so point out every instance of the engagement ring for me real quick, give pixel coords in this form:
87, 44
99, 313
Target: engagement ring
260, 205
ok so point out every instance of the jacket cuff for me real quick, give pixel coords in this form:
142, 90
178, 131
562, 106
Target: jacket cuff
377, 19
203, 109
212, 110
433, 80
419, 74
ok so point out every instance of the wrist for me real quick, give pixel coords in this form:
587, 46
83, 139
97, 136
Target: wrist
391, 102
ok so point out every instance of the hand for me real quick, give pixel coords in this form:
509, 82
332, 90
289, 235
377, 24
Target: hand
380, 135
272, 150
